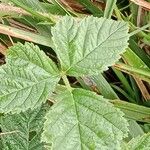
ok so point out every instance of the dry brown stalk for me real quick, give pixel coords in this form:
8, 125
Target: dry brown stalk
12, 9
144, 4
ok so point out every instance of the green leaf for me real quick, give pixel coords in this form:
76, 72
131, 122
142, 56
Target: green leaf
23, 131
27, 79
83, 120
140, 143
89, 46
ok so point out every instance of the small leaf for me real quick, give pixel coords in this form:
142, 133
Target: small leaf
23, 131
82, 120
27, 79
89, 46
140, 143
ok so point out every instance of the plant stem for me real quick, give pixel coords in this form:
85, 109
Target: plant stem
66, 81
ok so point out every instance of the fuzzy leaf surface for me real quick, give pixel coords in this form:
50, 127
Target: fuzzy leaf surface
27, 127
140, 143
89, 46
27, 79
82, 120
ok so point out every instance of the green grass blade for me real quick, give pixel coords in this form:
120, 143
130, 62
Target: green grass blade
110, 5
139, 29
135, 89
124, 81
139, 52
91, 7
126, 95
143, 74
25, 35
133, 111
57, 3
35, 13
104, 87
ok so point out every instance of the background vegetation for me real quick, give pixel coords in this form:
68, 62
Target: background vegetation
127, 82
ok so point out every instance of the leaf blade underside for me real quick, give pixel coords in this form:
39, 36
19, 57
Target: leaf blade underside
140, 143
27, 79
23, 131
82, 120
89, 46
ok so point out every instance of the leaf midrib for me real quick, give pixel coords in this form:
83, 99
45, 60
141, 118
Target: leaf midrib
77, 117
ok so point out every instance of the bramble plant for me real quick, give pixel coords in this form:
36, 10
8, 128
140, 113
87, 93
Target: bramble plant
79, 119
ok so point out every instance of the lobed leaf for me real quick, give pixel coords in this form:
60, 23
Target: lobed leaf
89, 46
27, 79
81, 120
